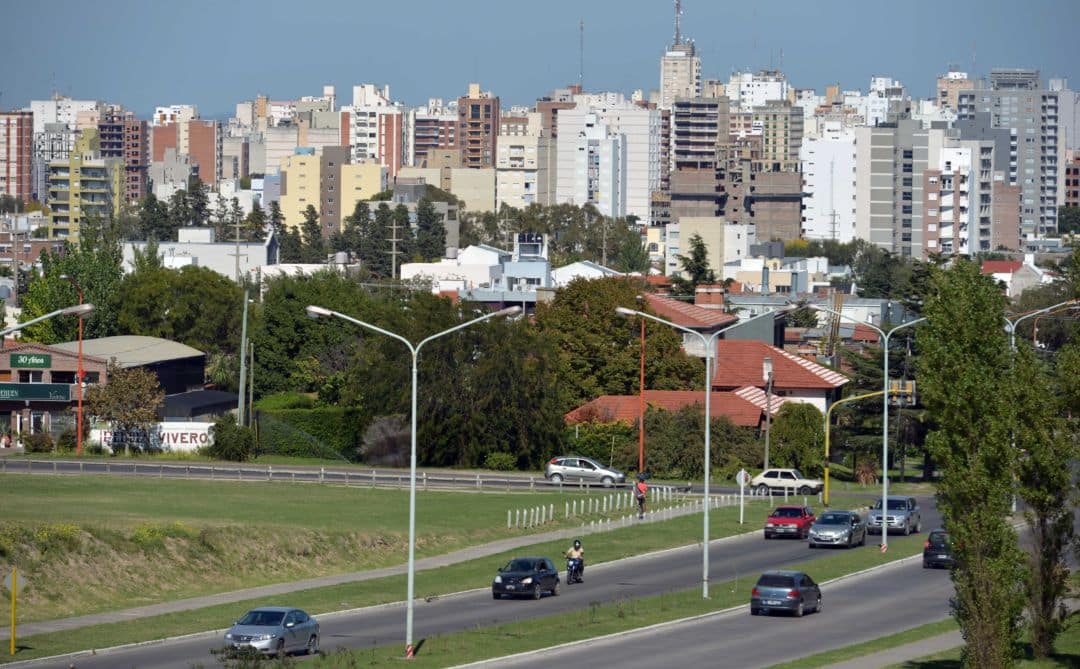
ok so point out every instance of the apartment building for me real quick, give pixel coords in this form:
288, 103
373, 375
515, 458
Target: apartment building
82, 186
204, 147
521, 166
478, 127
1071, 194
376, 128
781, 127
698, 127
948, 89
328, 182
748, 90
828, 173
17, 154
680, 73
123, 136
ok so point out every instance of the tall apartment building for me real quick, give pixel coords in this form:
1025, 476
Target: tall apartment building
204, 147
180, 116
16, 154
478, 127
84, 185
59, 109
521, 166
1071, 195
1017, 100
376, 128
781, 128
329, 183
123, 136
549, 107
680, 74
748, 90
828, 172
698, 127
429, 129
949, 86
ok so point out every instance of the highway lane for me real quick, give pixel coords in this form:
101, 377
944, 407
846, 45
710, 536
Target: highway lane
734, 558
856, 610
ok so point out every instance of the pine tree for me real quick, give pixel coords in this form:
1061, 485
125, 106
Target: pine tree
277, 219
375, 243
313, 249
406, 241
198, 202
695, 268
430, 231
255, 224
179, 210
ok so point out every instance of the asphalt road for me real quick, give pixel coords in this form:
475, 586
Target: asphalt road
740, 558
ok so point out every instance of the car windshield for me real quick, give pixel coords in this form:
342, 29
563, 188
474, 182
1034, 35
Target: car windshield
519, 565
834, 519
776, 581
797, 474
939, 539
786, 513
262, 618
894, 505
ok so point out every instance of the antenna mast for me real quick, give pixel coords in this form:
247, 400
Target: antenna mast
678, 13
581, 55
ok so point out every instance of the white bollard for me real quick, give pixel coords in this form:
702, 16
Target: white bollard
551, 515
508, 519
605, 505
575, 507
517, 518
567, 514
543, 515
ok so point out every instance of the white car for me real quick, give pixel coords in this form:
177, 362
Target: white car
779, 480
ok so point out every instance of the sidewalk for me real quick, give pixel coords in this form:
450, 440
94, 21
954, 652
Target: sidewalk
909, 651
434, 562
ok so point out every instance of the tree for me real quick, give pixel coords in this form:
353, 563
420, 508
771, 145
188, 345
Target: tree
198, 202
10, 204
277, 219
236, 218
154, 220
231, 442
375, 245
221, 218
695, 266
797, 438
1068, 219
633, 257
430, 232
255, 224
964, 375
1048, 452
180, 215
313, 249
406, 241
128, 401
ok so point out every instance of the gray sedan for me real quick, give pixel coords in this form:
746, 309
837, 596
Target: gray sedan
838, 528
274, 630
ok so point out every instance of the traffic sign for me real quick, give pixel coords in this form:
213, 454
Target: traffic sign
742, 478
20, 582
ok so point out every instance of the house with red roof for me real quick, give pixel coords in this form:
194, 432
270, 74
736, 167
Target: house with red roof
744, 408
740, 363
1016, 276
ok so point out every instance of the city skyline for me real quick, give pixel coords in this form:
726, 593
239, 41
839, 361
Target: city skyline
205, 58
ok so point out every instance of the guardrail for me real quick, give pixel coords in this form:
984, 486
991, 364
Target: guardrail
373, 478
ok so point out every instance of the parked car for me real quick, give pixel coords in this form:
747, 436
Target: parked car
937, 551
274, 630
789, 521
779, 480
838, 528
577, 468
904, 515
790, 591
526, 576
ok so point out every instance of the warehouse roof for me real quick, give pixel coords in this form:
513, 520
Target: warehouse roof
133, 350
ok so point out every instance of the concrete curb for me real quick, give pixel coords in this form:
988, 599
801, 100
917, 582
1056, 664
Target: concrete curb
671, 623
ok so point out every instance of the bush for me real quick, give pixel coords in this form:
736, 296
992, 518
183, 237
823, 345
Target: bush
500, 462
231, 441
66, 441
286, 400
315, 432
40, 442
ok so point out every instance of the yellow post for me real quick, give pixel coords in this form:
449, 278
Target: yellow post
828, 416
14, 587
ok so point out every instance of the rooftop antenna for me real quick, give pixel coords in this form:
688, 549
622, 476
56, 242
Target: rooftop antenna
974, 74
678, 13
581, 55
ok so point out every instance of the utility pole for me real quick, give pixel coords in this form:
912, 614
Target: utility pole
236, 226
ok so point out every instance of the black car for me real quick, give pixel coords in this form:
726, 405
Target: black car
526, 576
789, 591
937, 551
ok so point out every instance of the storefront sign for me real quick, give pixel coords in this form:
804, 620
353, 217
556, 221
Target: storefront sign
31, 360
44, 392
167, 436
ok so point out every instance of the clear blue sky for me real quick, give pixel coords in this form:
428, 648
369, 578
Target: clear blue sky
214, 53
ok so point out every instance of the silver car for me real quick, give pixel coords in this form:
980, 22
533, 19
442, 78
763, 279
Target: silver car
577, 468
838, 528
903, 515
274, 630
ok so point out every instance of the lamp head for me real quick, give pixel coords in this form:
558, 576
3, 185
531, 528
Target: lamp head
623, 311
509, 311
77, 310
766, 368
317, 312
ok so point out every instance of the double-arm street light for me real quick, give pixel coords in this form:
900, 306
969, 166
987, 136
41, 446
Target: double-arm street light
709, 343
885, 415
321, 312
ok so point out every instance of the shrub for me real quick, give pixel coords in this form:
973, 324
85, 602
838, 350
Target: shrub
66, 441
501, 462
39, 442
315, 432
153, 535
231, 441
286, 400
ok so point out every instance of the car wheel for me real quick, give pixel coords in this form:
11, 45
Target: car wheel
312, 645
907, 529
817, 607
496, 595
280, 652
805, 490
762, 489
555, 589
536, 591
607, 481
754, 611
925, 564
810, 544
799, 611
918, 526
556, 478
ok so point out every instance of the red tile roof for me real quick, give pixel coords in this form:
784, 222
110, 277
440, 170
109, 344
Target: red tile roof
739, 364
864, 333
687, 314
627, 408
1001, 266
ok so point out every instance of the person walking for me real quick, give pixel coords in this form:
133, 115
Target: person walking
641, 494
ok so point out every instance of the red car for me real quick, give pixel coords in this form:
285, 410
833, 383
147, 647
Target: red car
789, 521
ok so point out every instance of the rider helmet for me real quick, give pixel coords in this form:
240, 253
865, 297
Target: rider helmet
577, 543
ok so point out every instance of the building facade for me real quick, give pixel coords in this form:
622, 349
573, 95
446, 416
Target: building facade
16, 155
478, 128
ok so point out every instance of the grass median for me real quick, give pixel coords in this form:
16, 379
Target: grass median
602, 619
603, 547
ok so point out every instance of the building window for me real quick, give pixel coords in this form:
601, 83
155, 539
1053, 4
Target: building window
30, 376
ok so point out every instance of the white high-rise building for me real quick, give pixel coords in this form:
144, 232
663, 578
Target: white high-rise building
828, 168
680, 74
60, 110
747, 90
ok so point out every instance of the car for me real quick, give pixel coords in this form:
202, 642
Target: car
838, 528
577, 468
779, 480
526, 576
789, 591
274, 630
937, 551
789, 521
904, 515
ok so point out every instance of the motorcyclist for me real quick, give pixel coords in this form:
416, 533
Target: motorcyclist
576, 552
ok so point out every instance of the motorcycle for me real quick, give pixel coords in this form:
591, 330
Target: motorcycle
574, 568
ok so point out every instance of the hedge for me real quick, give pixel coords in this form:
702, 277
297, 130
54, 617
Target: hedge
318, 432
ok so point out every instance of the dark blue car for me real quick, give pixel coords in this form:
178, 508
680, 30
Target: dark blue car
526, 577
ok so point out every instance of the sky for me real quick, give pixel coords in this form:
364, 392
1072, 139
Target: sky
215, 53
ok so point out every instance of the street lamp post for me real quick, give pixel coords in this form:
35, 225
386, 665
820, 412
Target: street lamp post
321, 312
78, 374
766, 371
828, 415
885, 416
708, 342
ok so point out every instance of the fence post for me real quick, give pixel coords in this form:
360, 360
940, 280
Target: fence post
478, 484
161, 471
532, 483
517, 518
81, 469
551, 509
785, 494
322, 474
187, 471
508, 519
543, 515
346, 477
575, 507
567, 514
424, 474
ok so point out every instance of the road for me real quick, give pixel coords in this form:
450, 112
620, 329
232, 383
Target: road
739, 558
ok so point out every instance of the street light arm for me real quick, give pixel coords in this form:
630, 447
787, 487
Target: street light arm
818, 307
509, 311
75, 310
